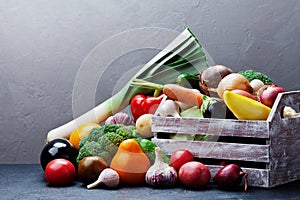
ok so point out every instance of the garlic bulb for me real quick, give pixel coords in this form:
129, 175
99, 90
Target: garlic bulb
160, 173
168, 108
108, 177
120, 118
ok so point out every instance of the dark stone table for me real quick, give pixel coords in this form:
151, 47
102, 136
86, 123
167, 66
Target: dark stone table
26, 181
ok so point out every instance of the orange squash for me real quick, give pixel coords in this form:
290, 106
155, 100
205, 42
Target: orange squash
131, 163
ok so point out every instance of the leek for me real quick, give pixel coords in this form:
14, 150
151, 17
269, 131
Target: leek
183, 55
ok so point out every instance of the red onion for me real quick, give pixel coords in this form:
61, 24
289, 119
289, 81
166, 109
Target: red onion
230, 176
267, 95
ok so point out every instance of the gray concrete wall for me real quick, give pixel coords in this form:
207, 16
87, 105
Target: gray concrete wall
44, 43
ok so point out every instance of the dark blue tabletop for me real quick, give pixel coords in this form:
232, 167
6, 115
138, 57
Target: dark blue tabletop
26, 181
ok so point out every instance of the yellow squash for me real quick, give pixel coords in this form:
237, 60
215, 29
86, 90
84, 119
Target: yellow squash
245, 108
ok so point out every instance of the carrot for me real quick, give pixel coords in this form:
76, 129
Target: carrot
189, 96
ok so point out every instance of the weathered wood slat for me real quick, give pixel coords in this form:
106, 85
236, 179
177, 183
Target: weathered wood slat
285, 142
256, 177
281, 152
217, 150
219, 127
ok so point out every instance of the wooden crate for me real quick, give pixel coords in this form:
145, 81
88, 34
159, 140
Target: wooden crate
273, 162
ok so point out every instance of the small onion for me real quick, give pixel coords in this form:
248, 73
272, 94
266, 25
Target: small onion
230, 176
268, 94
233, 81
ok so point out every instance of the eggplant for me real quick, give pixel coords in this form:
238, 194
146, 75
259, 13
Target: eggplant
58, 148
218, 109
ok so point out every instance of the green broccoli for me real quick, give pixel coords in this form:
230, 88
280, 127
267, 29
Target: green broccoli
251, 75
93, 148
104, 139
104, 142
111, 127
128, 132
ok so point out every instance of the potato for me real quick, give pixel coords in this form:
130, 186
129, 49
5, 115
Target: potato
143, 125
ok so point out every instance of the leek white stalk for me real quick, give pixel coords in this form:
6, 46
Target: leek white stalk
183, 54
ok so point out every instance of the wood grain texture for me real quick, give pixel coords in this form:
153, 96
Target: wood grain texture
256, 177
284, 142
217, 150
281, 152
219, 127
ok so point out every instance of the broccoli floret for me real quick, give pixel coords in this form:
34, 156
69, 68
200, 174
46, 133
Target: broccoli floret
96, 133
108, 128
88, 149
82, 141
128, 132
251, 75
102, 141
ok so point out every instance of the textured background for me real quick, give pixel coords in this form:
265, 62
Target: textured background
43, 44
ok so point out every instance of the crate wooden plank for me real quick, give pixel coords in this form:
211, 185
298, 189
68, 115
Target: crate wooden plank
256, 177
285, 142
220, 127
217, 150
282, 136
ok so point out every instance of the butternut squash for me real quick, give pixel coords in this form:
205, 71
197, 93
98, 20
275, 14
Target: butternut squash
245, 108
131, 163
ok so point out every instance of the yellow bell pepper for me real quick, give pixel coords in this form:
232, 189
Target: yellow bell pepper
245, 108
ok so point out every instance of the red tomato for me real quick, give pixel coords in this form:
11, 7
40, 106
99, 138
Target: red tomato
60, 172
180, 157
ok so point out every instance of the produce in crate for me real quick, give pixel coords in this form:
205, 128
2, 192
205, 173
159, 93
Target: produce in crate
263, 148
233, 81
168, 108
141, 104
268, 94
210, 78
251, 75
245, 108
183, 55
189, 80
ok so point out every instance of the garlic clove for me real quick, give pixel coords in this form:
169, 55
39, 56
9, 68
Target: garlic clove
108, 177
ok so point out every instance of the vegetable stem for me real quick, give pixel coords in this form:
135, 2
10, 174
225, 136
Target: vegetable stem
184, 54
